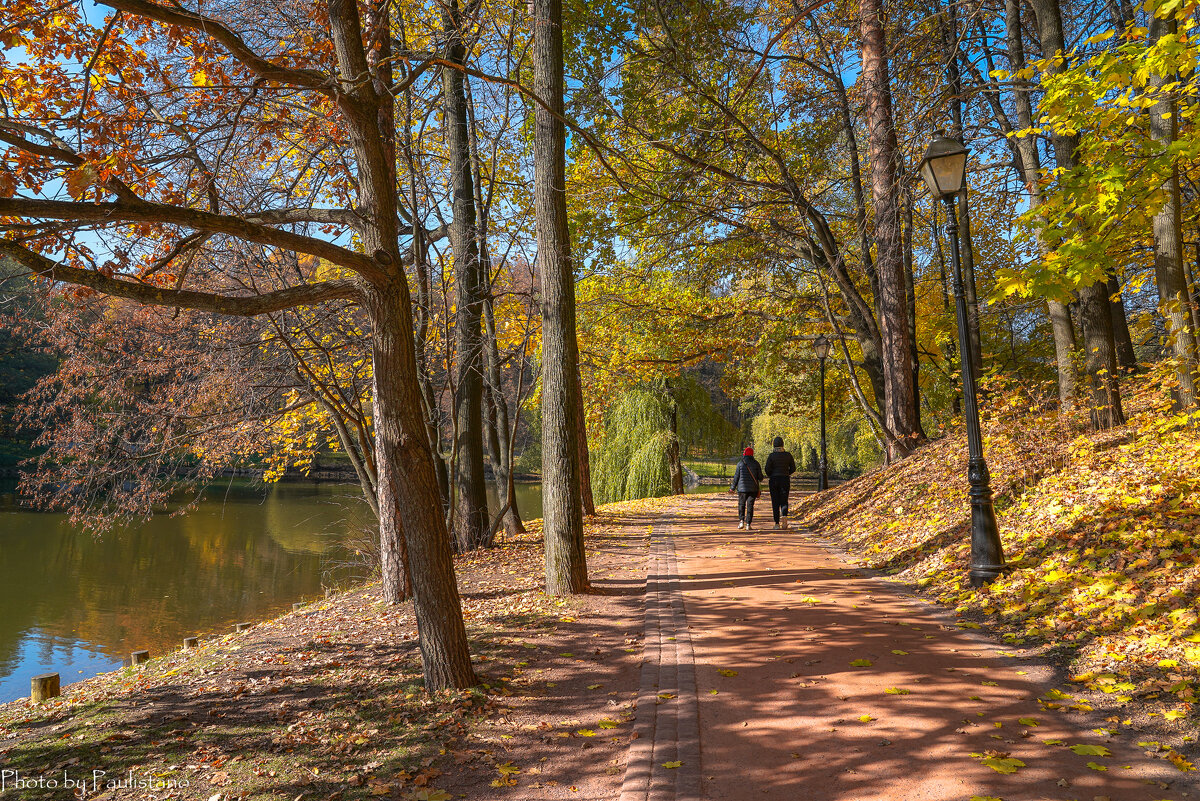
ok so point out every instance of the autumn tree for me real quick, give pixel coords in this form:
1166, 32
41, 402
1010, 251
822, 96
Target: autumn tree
138, 150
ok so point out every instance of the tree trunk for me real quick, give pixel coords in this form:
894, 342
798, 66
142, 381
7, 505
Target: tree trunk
471, 514
501, 464
910, 293
900, 412
562, 514
586, 498
1126, 358
674, 464
1169, 273
1095, 315
410, 518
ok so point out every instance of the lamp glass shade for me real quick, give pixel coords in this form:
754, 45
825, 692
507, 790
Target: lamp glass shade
944, 167
821, 346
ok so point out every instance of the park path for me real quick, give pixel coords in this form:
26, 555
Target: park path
792, 646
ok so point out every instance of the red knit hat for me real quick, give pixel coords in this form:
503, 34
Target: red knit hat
748, 452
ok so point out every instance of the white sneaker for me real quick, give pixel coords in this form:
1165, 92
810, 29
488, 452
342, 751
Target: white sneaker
741, 524
748, 527
776, 525
783, 523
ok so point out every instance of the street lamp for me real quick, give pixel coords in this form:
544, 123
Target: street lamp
944, 171
821, 348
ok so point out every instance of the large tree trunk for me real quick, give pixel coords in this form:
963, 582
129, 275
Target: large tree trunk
471, 513
562, 514
900, 411
1095, 315
1169, 273
410, 519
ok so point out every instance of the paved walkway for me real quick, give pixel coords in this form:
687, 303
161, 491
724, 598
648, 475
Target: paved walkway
813, 681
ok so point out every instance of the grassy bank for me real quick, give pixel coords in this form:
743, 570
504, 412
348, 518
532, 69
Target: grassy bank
1103, 530
327, 703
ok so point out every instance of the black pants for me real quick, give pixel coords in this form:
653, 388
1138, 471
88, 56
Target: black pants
780, 486
746, 506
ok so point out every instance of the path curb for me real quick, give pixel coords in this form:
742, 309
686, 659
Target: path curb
666, 729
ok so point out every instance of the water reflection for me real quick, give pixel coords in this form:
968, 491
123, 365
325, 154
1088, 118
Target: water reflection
77, 605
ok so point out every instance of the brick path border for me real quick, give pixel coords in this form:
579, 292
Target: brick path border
667, 729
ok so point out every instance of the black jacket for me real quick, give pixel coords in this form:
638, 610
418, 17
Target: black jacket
747, 475
780, 463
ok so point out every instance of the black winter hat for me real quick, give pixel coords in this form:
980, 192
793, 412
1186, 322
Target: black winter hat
778, 443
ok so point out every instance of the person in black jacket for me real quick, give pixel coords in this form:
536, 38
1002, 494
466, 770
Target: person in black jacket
746, 480
779, 468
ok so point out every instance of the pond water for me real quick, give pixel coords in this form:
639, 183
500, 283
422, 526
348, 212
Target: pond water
77, 605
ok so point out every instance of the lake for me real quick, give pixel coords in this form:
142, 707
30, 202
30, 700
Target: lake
77, 605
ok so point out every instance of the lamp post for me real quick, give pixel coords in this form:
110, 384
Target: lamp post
944, 171
821, 348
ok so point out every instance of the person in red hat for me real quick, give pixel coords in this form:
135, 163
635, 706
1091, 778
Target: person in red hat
746, 480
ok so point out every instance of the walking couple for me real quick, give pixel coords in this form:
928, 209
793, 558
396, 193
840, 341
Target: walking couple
748, 475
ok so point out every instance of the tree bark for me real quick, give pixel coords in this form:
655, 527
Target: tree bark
562, 526
409, 502
1095, 315
500, 450
1169, 273
900, 412
1126, 358
586, 498
910, 294
471, 514
410, 510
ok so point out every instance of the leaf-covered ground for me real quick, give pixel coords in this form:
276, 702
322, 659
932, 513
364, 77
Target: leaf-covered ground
1103, 531
327, 703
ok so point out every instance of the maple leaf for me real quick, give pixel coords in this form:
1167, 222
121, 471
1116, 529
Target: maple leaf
671, 765
81, 179
1091, 750
861, 663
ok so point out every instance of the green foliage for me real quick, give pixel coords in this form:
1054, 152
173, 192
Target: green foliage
849, 444
1096, 213
631, 459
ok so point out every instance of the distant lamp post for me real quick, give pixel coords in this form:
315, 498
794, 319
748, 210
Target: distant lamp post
821, 348
944, 170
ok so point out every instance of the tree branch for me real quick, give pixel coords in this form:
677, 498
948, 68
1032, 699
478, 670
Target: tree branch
145, 212
245, 306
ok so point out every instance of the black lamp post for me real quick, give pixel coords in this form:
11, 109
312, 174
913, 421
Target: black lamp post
821, 348
944, 171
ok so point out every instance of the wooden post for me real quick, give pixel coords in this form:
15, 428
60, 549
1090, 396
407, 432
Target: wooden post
240, 627
191, 642
139, 657
43, 687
